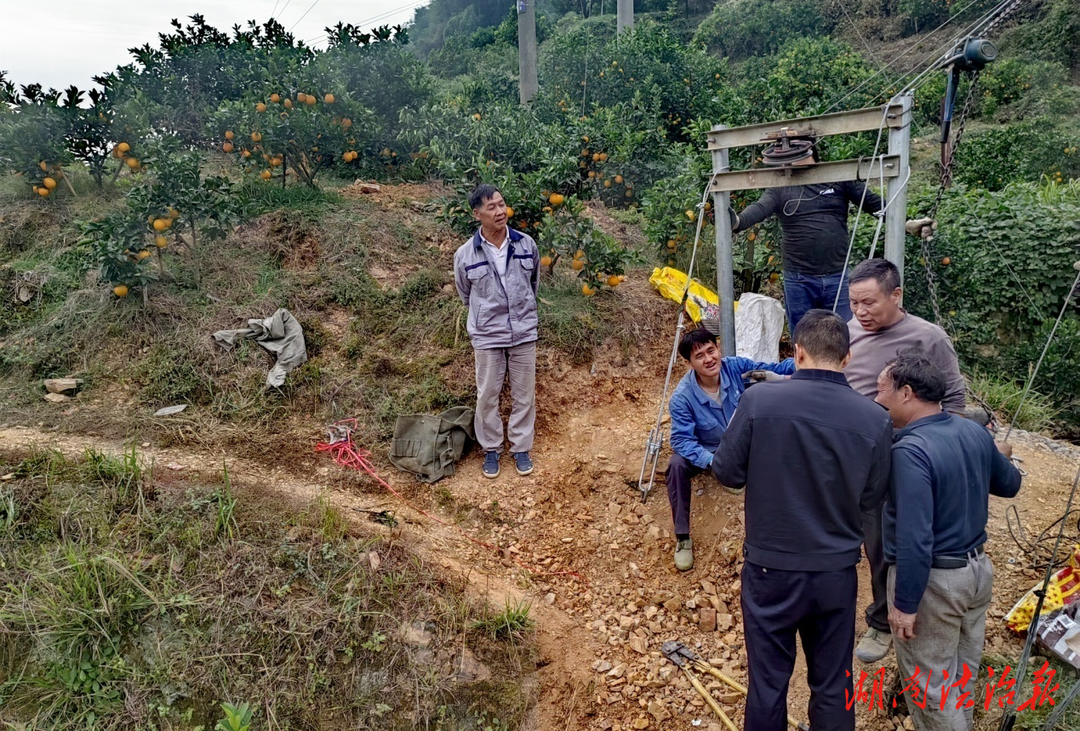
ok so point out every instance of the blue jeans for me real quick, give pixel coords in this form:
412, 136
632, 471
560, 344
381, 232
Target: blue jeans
805, 292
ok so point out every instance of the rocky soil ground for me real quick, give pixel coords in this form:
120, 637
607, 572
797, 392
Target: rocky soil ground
602, 585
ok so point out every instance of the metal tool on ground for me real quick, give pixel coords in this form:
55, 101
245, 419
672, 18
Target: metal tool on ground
674, 651
674, 647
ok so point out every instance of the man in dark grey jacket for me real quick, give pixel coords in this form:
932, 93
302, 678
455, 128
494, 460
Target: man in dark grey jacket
497, 274
812, 455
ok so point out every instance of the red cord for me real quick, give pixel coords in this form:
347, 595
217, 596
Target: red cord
347, 454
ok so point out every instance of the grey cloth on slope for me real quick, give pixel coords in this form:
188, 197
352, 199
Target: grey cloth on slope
280, 334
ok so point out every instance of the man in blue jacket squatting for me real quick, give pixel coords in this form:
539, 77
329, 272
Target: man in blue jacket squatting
701, 407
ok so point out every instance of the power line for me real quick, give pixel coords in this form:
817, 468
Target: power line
906, 51
388, 13
272, 12
304, 15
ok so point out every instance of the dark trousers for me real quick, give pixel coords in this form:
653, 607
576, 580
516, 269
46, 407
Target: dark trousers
820, 606
678, 475
877, 613
804, 292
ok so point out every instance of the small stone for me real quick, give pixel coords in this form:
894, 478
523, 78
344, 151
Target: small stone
640, 723
170, 410
707, 619
601, 666
708, 587
471, 670
8, 477
606, 724
618, 671
724, 622
638, 645
651, 611
373, 560
369, 188
549, 598
145, 445
909, 724
62, 385
659, 712
673, 605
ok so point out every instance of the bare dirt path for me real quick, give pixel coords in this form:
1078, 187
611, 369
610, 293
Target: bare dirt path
599, 638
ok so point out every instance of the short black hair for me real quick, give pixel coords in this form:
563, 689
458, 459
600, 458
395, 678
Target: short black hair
823, 335
883, 271
912, 367
692, 338
481, 193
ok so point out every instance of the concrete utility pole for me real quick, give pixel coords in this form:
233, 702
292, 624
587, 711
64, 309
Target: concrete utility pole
527, 79
624, 15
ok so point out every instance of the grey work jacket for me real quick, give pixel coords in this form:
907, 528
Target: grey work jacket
502, 310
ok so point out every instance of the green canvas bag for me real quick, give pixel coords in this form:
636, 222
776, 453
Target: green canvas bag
428, 446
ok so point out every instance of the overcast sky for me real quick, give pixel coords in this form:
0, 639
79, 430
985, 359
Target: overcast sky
62, 42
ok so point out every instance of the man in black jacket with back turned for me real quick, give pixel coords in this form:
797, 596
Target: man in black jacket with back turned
812, 455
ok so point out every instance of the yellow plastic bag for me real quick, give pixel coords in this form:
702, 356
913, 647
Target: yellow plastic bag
701, 302
1061, 590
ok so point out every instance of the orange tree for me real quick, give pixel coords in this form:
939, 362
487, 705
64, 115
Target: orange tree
120, 246
300, 131
32, 139
596, 258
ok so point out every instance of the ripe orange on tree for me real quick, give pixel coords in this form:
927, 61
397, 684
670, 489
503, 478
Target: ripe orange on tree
124, 147
946, 261
227, 147
160, 224
556, 199
577, 265
260, 107
545, 261
301, 97
275, 98
49, 183
618, 179
613, 280
120, 290
288, 104
329, 98
587, 290
228, 134
142, 255
256, 136
310, 100
160, 241
43, 192
132, 162
509, 212
265, 175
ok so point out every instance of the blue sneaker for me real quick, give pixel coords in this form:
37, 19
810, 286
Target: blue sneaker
491, 465
522, 463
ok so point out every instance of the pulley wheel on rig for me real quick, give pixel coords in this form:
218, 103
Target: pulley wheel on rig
787, 152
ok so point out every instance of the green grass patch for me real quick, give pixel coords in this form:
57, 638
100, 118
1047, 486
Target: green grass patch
132, 604
1038, 414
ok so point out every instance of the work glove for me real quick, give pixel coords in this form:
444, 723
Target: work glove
765, 376
924, 227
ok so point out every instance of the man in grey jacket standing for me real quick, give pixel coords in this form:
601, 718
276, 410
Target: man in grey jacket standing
497, 274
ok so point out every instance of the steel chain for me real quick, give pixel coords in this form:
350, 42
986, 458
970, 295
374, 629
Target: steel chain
946, 180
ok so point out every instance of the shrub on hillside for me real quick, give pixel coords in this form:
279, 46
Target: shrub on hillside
589, 66
806, 78
740, 29
1003, 261
1020, 152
